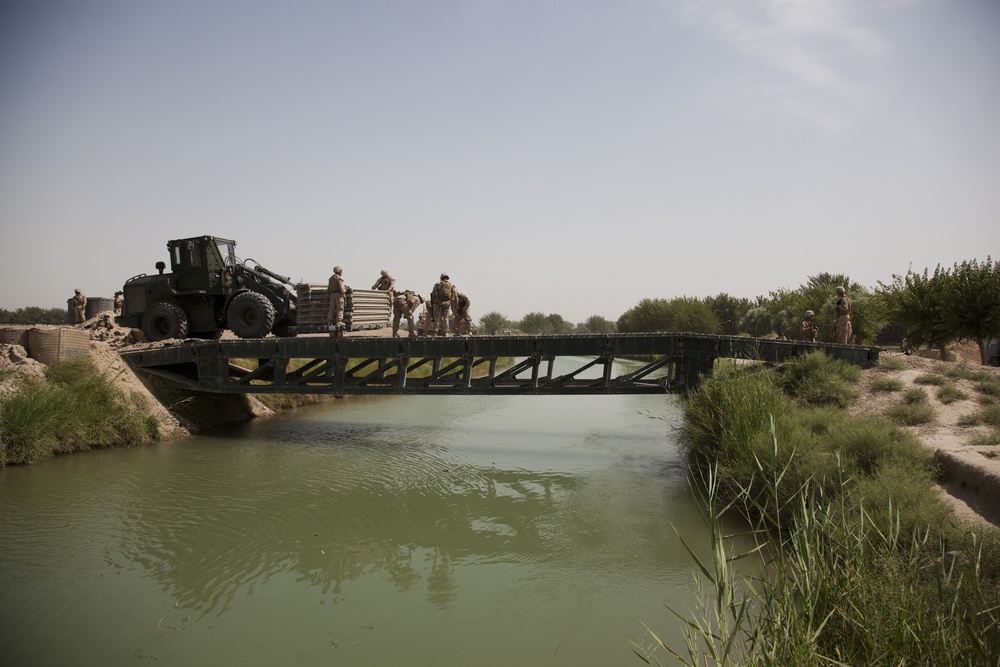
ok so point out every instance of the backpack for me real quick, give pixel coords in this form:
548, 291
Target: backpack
443, 292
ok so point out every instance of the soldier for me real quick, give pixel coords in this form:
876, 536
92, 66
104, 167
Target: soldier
79, 307
842, 325
338, 294
385, 282
809, 328
119, 302
463, 321
404, 305
443, 301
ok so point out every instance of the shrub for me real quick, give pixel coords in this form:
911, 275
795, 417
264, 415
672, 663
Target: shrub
985, 440
886, 384
949, 394
891, 364
990, 387
911, 414
729, 409
930, 378
816, 379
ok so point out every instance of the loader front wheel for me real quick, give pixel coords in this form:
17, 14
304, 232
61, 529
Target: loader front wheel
250, 315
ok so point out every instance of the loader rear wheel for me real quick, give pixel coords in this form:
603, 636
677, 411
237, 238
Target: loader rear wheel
165, 320
250, 315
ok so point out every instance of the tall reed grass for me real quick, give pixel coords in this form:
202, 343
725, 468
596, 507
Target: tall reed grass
861, 564
76, 408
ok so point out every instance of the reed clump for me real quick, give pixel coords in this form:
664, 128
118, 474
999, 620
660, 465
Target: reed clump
857, 561
76, 408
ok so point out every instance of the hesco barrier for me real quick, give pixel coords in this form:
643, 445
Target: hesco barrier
15, 336
51, 346
364, 309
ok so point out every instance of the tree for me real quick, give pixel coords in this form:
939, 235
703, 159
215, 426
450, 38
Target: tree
493, 321
678, 314
971, 302
558, 325
729, 310
34, 315
535, 323
756, 322
596, 324
916, 301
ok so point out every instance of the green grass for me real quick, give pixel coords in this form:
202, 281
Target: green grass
816, 379
891, 364
866, 570
930, 378
949, 394
911, 414
960, 372
985, 440
886, 384
989, 387
78, 408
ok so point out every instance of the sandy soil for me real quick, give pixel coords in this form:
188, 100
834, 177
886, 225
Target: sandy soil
971, 483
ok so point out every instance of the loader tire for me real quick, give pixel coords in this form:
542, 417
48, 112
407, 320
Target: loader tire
250, 315
165, 320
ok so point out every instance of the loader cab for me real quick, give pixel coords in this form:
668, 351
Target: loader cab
203, 253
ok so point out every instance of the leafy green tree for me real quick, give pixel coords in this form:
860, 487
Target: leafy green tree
756, 321
916, 301
535, 323
558, 325
971, 302
33, 315
494, 321
647, 315
596, 324
729, 310
678, 314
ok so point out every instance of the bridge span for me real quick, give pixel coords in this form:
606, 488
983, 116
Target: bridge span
323, 364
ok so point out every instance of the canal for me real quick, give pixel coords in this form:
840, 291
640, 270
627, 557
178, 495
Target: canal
416, 530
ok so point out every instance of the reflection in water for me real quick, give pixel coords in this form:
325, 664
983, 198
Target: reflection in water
427, 530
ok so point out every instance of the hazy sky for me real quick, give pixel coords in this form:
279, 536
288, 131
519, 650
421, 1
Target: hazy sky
561, 156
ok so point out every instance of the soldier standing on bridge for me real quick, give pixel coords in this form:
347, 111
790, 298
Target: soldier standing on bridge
443, 300
842, 325
338, 294
385, 282
79, 306
809, 328
404, 305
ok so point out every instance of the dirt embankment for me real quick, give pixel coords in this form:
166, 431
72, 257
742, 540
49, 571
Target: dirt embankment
969, 460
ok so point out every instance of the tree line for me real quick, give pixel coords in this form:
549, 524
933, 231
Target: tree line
33, 315
915, 309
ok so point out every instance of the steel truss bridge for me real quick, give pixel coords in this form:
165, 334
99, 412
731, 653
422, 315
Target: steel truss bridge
669, 362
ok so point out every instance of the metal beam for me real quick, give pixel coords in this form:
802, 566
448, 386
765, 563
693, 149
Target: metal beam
673, 362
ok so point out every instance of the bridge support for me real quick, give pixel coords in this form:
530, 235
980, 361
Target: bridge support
671, 362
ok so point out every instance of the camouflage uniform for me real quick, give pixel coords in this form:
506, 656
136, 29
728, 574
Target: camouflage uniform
443, 300
404, 305
385, 282
809, 328
79, 307
842, 326
338, 294
463, 321
119, 302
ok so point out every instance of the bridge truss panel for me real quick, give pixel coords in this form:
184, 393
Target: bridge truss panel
670, 362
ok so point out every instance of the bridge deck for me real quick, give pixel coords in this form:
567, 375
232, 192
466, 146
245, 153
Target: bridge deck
382, 365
